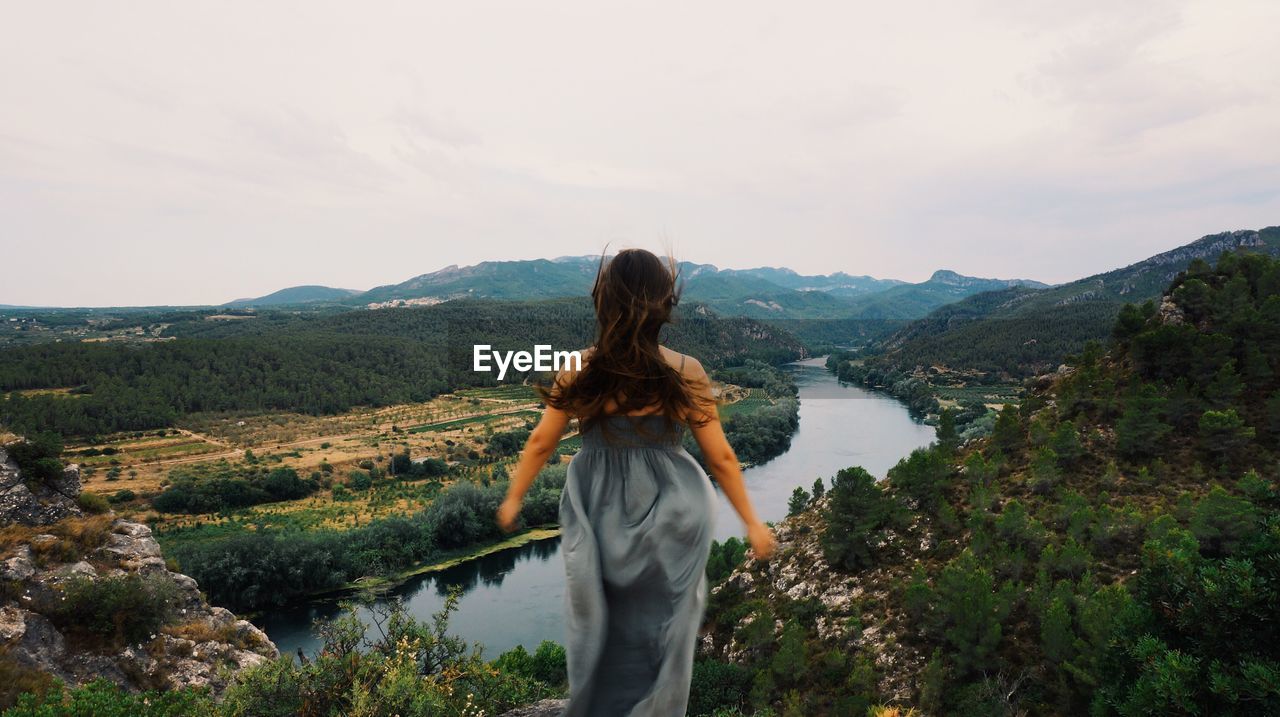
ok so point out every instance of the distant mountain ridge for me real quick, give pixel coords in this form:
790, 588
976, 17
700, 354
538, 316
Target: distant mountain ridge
1020, 331
762, 292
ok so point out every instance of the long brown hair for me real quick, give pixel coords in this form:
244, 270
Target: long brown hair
635, 294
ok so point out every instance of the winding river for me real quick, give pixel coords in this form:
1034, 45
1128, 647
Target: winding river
516, 597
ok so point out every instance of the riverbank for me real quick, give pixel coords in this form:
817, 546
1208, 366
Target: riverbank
385, 583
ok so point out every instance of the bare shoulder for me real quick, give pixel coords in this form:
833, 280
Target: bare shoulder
690, 367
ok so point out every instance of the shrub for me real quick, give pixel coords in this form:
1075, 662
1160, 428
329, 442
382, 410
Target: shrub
412, 668
38, 456
93, 503
101, 698
115, 610
717, 686
122, 496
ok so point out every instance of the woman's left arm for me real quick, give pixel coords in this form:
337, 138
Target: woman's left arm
543, 440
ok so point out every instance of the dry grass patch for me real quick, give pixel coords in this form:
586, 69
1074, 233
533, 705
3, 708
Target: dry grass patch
74, 537
199, 631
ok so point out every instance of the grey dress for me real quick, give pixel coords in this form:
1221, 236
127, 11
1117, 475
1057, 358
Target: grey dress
636, 523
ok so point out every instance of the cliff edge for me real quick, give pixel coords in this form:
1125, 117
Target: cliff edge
87, 595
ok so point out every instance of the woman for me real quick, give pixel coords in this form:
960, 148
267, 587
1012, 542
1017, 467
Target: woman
636, 512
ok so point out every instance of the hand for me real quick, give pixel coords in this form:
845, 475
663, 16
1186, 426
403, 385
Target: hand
508, 514
762, 541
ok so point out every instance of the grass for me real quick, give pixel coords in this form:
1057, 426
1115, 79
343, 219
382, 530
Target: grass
483, 418
73, 538
754, 400
508, 392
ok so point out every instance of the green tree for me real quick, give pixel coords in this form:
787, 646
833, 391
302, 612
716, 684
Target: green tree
921, 475
948, 438
1056, 636
1140, 431
1066, 445
1222, 522
790, 661
857, 511
1008, 434
973, 609
1224, 435
799, 501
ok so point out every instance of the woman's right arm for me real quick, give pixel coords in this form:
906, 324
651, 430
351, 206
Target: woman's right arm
724, 466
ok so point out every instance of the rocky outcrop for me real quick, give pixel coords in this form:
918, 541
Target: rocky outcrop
63, 553
36, 503
856, 611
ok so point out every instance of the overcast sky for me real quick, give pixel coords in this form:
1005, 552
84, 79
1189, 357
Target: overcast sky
192, 152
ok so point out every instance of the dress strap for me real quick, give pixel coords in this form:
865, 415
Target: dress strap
681, 369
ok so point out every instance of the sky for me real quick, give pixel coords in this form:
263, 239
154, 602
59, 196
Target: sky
195, 152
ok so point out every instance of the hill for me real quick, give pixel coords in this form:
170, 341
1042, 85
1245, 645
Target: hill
1019, 333
908, 301
837, 284
297, 295
1110, 549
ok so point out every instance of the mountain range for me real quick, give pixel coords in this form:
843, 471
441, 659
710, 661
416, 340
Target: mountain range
765, 292
1020, 331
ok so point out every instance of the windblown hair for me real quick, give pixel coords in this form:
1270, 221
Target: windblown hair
635, 293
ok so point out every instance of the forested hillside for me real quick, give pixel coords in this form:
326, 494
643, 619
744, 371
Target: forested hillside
319, 364
1019, 332
1113, 548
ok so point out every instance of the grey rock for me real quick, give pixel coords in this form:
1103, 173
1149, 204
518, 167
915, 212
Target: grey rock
19, 567
32, 640
38, 503
133, 530
545, 708
80, 569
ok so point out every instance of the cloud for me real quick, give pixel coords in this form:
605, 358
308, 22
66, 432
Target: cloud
352, 145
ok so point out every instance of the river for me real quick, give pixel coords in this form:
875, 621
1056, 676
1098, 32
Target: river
516, 596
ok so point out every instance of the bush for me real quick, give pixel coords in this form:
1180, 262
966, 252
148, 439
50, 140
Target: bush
122, 496
717, 686
115, 610
412, 668
93, 503
220, 494
101, 698
38, 456
359, 480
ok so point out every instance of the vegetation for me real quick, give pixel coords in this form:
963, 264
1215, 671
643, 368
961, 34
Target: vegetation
316, 363
269, 567
410, 668
222, 494
1109, 549
764, 431
1019, 332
